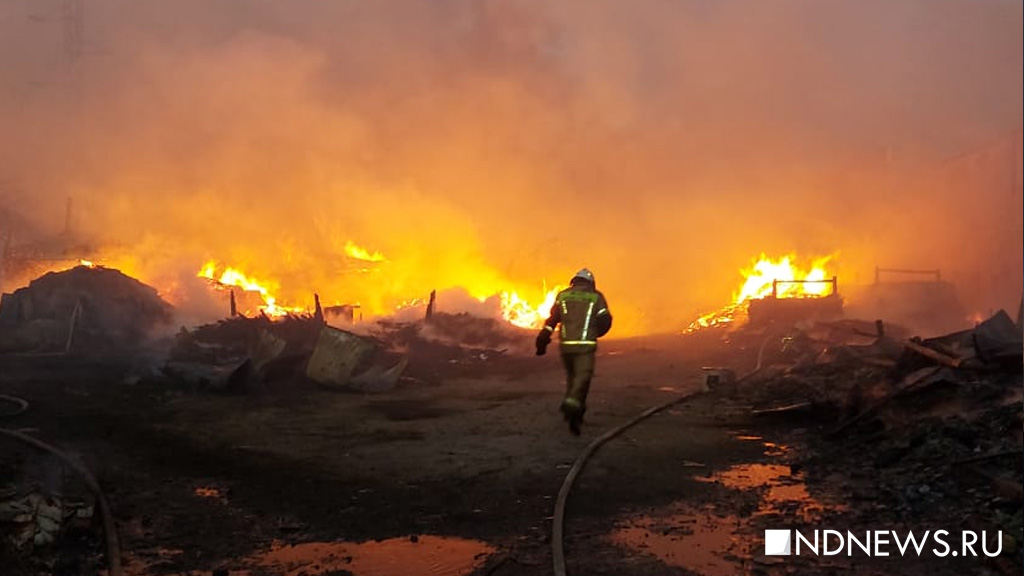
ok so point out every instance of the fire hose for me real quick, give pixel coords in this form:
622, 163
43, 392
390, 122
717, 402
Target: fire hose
557, 535
557, 550
109, 530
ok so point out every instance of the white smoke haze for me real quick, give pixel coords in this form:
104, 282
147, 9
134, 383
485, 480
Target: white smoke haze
495, 145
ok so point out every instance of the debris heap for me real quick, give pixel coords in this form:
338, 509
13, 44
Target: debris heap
910, 428
240, 353
84, 309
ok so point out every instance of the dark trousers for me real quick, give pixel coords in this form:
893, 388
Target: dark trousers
579, 369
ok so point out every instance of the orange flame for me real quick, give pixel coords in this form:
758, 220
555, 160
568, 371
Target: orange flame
758, 282
519, 312
353, 250
515, 308
229, 276
761, 276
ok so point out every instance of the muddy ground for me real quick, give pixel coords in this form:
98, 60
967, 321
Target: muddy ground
452, 476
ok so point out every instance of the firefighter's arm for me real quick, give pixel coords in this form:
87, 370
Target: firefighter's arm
544, 336
603, 317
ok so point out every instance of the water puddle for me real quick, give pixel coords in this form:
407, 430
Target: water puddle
784, 491
712, 544
697, 540
410, 556
708, 543
747, 476
416, 556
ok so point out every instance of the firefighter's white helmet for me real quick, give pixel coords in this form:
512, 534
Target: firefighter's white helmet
584, 274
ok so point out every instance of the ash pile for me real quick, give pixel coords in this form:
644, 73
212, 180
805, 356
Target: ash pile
81, 310
908, 428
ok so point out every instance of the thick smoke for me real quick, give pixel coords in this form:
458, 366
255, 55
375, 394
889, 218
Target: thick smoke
496, 144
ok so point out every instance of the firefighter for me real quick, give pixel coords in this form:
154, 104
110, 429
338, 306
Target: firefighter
583, 315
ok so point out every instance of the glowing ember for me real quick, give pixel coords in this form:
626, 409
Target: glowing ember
353, 250
519, 312
414, 303
205, 492
758, 283
227, 276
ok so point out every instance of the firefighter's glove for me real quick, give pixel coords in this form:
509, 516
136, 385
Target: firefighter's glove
543, 339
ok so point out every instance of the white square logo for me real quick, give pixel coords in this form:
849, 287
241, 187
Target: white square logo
777, 542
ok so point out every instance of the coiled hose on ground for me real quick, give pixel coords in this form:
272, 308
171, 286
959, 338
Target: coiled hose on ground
109, 530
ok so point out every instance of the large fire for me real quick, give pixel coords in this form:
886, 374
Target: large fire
226, 276
760, 281
520, 304
514, 309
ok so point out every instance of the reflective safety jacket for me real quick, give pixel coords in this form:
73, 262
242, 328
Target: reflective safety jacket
584, 317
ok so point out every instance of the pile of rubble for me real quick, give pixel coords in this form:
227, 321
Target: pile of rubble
240, 353
859, 371
84, 309
912, 428
456, 338
97, 310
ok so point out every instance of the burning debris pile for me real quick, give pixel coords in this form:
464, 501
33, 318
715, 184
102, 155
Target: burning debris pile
778, 289
85, 308
928, 426
91, 309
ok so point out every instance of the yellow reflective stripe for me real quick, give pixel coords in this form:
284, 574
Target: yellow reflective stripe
586, 322
602, 311
579, 341
549, 328
572, 402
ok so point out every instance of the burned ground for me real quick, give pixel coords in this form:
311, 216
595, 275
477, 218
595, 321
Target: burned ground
204, 481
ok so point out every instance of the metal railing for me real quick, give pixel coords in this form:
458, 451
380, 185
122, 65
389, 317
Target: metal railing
937, 274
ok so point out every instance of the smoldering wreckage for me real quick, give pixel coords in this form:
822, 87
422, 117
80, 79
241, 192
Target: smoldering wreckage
903, 429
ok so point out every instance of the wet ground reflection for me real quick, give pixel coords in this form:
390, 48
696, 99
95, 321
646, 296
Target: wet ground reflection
697, 540
784, 492
710, 543
412, 556
408, 556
